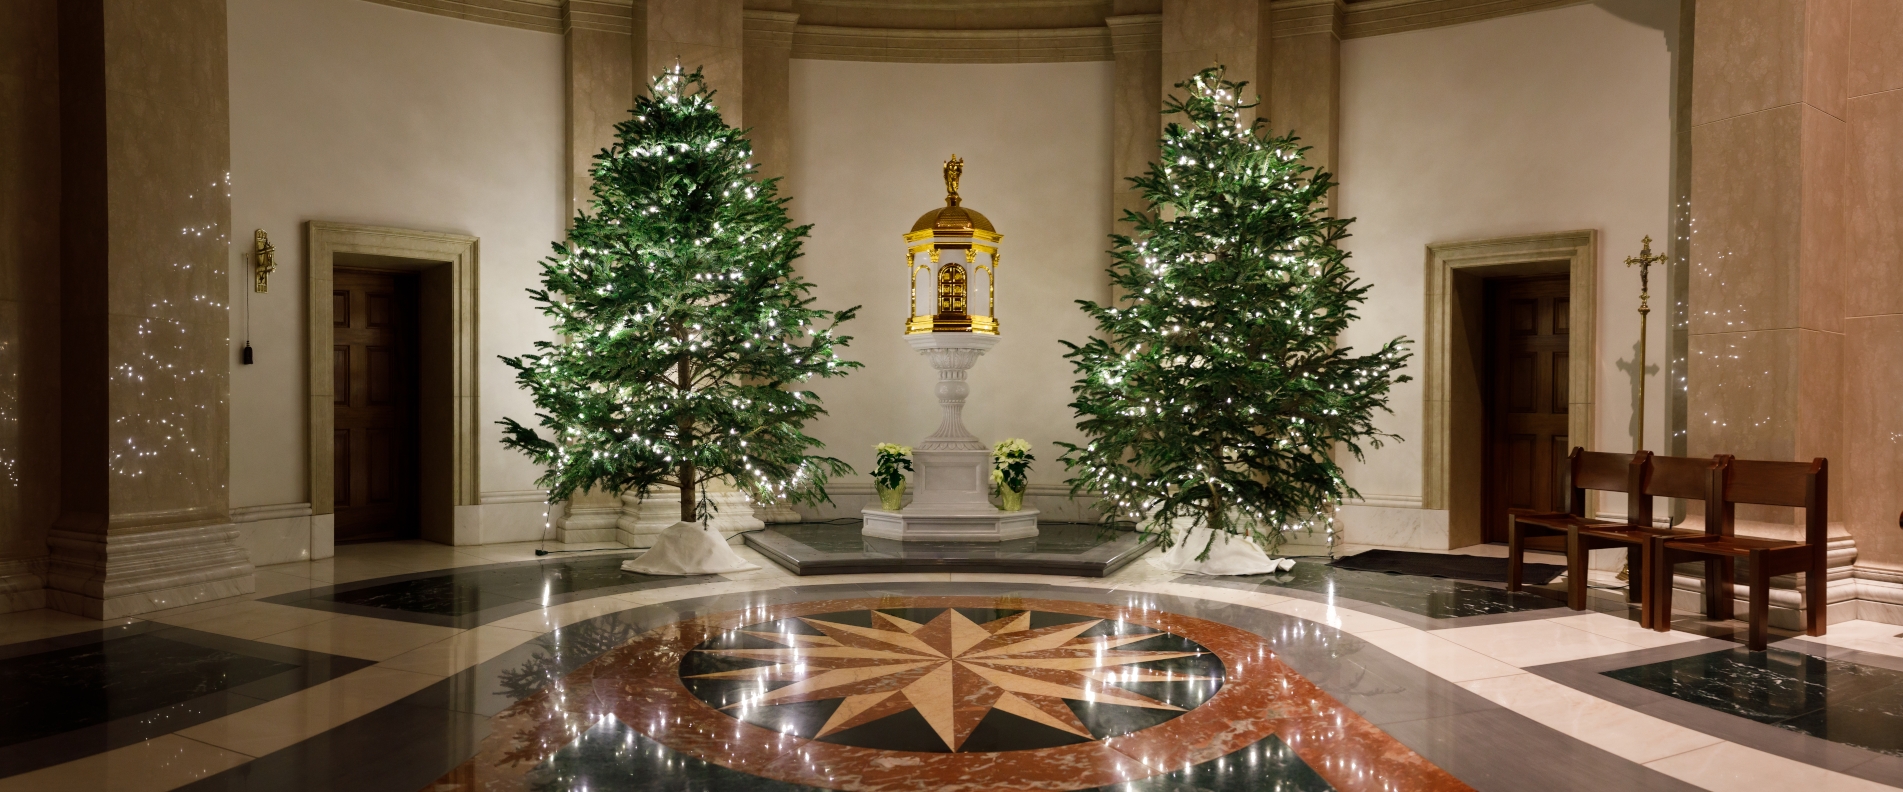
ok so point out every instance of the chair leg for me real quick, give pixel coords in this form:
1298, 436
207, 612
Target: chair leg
1816, 599
1575, 571
1515, 562
1721, 590
1659, 569
1642, 579
1760, 603
1634, 562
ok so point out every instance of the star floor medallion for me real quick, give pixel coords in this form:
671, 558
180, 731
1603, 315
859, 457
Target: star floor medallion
926, 694
956, 670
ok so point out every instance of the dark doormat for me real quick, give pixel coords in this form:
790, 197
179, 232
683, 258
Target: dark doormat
1441, 565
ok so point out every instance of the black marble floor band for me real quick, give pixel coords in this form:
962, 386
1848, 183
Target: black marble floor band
471, 596
407, 745
1058, 549
1830, 707
1420, 602
77, 695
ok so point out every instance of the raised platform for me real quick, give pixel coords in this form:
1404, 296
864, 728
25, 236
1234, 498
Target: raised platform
1058, 549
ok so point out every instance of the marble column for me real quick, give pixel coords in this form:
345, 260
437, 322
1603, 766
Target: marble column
1136, 42
704, 34
145, 217
1302, 75
1871, 475
599, 78
29, 296
1198, 34
768, 110
1766, 297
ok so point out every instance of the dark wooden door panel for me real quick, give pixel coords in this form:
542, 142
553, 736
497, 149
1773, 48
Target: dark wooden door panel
1526, 396
376, 412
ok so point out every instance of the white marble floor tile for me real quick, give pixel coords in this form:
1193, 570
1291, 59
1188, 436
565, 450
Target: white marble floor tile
285, 721
360, 636
1730, 767
1531, 643
158, 764
1348, 621
1624, 630
1438, 656
1595, 721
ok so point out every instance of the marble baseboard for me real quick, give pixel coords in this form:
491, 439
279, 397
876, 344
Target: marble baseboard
587, 523
109, 576
22, 584
522, 521
323, 536
643, 520
1394, 526
277, 534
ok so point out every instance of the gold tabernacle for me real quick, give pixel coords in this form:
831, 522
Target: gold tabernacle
951, 245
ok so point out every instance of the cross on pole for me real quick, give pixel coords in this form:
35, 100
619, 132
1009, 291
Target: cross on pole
1644, 260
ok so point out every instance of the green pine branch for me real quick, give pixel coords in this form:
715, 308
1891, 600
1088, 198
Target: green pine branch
687, 331
1214, 388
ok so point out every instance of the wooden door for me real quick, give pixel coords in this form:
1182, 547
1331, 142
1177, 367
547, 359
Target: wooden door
1526, 399
373, 363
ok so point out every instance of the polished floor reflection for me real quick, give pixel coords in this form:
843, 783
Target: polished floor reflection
1432, 597
408, 667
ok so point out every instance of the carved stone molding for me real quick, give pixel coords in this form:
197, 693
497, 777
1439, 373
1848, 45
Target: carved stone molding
111, 576
1054, 45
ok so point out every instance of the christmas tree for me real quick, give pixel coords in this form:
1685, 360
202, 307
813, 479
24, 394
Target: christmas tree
686, 327
1214, 389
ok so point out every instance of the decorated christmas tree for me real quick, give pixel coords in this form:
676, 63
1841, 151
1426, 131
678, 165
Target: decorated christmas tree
686, 329
1214, 388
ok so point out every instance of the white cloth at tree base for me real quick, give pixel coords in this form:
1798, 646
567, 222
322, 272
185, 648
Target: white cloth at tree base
1231, 555
688, 549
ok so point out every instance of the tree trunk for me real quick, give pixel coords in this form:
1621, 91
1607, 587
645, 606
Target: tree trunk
689, 495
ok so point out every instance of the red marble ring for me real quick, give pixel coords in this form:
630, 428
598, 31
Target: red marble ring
952, 671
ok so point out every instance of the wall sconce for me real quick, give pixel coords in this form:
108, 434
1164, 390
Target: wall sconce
264, 261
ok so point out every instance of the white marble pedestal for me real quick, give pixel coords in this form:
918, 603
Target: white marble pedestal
951, 469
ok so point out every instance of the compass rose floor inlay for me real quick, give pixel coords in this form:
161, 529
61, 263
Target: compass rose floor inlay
943, 692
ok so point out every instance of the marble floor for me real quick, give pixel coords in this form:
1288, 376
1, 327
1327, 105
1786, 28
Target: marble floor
408, 666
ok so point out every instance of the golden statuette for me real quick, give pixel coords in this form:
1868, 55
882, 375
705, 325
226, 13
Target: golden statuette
954, 168
264, 261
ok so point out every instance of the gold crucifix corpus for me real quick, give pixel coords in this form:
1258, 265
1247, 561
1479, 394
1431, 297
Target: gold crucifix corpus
1644, 260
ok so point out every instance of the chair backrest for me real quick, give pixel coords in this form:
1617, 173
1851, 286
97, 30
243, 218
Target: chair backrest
1686, 478
1801, 484
1598, 470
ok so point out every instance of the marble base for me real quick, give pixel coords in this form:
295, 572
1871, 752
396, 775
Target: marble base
22, 584
1062, 549
323, 536
275, 534
1390, 525
110, 576
916, 524
642, 521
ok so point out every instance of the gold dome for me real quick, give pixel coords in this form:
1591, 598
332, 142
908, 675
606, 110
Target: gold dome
953, 219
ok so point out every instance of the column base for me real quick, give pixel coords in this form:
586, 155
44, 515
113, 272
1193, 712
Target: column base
107, 576
642, 521
950, 524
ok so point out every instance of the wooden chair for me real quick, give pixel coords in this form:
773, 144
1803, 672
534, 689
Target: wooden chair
1561, 532
1805, 484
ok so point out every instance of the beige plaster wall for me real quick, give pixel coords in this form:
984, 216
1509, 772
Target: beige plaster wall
866, 155
356, 112
1548, 121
